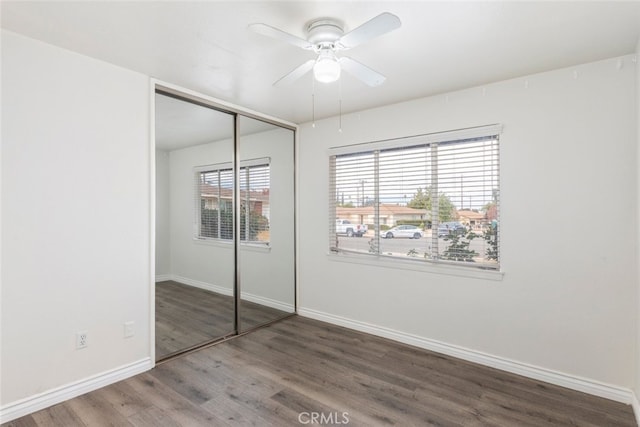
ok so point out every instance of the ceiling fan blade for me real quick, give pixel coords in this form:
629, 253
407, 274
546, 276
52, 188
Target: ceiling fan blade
269, 31
361, 71
296, 73
373, 28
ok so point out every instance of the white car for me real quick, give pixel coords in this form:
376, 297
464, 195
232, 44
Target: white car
410, 231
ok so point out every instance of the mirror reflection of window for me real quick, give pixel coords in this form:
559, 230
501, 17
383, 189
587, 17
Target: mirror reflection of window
214, 196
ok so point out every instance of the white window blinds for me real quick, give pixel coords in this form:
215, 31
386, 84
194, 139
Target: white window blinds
254, 203
429, 198
214, 198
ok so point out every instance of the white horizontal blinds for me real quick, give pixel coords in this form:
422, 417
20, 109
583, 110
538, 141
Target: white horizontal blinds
206, 192
445, 184
334, 199
404, 180
353, 186
225, 206
467, 175
214, 190
255, 188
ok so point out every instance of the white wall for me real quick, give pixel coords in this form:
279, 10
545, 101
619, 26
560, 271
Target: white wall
75, 218
566, 302
163, 240
265, 272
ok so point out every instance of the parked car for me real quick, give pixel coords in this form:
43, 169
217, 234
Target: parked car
410, 231
344, 226
447, 228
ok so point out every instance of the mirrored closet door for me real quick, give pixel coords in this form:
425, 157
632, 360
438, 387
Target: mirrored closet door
194, 225
267, 251
225, 223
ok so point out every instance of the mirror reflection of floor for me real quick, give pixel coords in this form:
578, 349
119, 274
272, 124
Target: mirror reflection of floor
187, 316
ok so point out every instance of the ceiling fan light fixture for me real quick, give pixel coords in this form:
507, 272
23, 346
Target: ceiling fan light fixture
326, 68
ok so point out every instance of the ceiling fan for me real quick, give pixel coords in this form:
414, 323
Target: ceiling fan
325, 37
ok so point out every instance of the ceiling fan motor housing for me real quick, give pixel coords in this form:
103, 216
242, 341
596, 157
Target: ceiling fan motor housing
323, 33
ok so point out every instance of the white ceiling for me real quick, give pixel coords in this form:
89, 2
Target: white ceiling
181, 124
441, 46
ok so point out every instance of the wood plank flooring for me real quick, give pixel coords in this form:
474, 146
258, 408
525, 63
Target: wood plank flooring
188, 316
296, 369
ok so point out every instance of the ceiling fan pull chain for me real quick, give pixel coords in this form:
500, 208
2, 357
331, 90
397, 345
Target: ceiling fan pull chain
340, 125
340, 106
313, 103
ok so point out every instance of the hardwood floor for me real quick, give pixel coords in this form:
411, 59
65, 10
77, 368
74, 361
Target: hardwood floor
187, 316
298, 368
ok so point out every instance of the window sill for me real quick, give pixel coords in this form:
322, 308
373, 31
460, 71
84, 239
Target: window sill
228, 244
414, 265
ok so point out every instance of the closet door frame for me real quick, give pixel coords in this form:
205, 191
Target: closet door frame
173, 91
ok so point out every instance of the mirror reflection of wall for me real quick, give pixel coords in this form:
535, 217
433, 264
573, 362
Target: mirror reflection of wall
196, 271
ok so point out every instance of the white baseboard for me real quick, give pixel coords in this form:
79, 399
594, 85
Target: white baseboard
636, 407
278, 305
51, 397
619, 394
202, 285
268, 302
163, 277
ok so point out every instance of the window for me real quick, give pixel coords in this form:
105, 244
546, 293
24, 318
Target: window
214, 201
430, 198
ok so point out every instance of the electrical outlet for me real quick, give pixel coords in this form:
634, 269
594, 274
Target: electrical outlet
128, 329
81, 340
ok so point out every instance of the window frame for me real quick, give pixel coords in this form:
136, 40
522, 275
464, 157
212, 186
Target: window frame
378, 258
